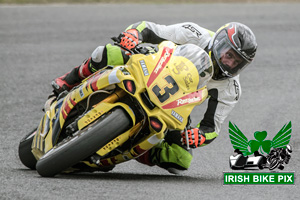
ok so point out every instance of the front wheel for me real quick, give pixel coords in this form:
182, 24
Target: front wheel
273, 163
25, 153
77, 148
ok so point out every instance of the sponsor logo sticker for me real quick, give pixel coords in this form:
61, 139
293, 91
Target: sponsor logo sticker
177, 116
144, 68
161, 64
190, 98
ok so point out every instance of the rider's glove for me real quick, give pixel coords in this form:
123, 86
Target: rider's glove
129, 39
195, 137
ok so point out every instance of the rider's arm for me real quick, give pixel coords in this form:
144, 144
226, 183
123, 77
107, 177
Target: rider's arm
181, 33
223, 97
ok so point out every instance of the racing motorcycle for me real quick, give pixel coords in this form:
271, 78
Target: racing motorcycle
278, 157
118, 113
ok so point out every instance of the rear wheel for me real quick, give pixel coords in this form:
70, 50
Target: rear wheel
75, 149
25, 153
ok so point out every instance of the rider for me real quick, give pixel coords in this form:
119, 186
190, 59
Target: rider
231, 49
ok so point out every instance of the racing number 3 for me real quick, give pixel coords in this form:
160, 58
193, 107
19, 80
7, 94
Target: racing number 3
167, 90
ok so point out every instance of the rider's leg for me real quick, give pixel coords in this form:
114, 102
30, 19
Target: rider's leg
101, 57
72, 78
169, 154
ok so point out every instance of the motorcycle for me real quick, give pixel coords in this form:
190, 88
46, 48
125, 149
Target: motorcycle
278, 157
118, 113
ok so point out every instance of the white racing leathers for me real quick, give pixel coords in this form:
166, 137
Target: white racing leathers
224, 93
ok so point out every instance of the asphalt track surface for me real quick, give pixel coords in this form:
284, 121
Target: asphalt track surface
39, 43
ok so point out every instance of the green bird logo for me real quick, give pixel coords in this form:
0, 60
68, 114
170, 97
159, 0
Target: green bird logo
248, 147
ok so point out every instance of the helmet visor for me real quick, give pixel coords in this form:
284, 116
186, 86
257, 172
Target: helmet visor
229, 60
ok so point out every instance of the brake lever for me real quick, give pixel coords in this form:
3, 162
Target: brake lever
186, 139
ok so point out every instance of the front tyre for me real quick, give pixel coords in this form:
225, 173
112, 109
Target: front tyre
273, 163
75, 149
25, 153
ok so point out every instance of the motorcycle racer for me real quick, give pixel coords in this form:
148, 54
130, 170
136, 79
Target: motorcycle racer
231, 49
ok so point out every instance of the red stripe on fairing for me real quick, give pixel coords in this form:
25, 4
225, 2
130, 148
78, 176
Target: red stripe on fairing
190, 98
139, 150
64, 114
67, 108
94, 86
93, 82
231, 32
72, 101
162, 62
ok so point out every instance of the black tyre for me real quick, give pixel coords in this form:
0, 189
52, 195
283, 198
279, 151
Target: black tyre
73, 150
273, 164
25, 153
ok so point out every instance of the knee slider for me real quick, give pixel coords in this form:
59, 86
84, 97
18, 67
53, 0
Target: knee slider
98, 54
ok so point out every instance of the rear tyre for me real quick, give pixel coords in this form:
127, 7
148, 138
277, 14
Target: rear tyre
25, 153
75, 149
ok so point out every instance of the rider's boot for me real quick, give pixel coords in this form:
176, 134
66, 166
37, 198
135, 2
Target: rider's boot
72, 78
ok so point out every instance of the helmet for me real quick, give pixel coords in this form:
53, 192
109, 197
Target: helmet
288, 149
232, 48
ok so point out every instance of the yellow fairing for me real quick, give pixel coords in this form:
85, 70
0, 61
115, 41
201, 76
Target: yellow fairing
177, 97
164, 85
42, 141
171, 85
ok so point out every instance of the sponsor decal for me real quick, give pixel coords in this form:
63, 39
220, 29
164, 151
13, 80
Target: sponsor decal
193, 29
193, 97
188, 101
162, 62
237, 90
144, 68
180, 67
188, 80
81, 92
177, 116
